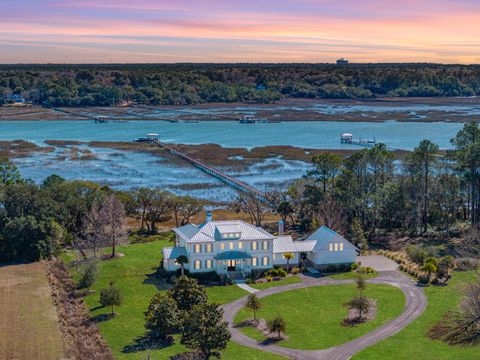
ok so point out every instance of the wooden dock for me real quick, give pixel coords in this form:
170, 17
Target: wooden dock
212, 171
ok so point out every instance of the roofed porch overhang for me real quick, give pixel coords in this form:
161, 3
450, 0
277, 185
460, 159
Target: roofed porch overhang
232, 255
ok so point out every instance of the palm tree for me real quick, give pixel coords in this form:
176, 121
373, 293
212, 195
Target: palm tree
430, 266
288, 256
253, 303
277, 325
182, 260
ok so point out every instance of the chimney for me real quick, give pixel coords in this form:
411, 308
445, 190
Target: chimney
281, 227
209, 217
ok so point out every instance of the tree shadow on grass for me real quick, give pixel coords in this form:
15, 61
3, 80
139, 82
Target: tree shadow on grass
147, 342
158, 280
102, 317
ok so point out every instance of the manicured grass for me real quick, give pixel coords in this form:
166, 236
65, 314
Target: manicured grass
28, 319
313, 315
351, 276
285, 281
134, 274
413, 342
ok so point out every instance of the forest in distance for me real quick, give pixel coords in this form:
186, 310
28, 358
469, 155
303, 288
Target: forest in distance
187, 84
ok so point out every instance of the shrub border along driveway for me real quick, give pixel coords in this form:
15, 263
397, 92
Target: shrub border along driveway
416, 303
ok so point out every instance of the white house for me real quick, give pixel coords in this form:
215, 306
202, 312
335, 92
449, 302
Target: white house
228, 247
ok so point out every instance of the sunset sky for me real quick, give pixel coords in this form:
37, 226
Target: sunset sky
93, 31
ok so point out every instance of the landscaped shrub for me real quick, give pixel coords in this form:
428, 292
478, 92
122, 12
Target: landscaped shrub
206, 277
366, 270
276, 272
467, 264
88, 274
295, 270
354, 266
331, 268
268, 278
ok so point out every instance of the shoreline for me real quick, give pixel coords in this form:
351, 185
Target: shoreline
288, 110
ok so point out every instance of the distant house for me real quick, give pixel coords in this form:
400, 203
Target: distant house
342, 61
15, 98
236, 247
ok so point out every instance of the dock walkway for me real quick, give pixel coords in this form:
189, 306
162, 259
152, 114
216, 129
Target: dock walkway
212, 171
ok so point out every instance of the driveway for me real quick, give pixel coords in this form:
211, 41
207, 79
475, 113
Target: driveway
377, 262
416, 303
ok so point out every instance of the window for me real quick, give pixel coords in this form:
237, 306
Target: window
208, 264
197, 248
273, 256
254, 261
240, 245
335, 246
208, 248
265, 245
197, 264
265, 261
231, 245
254, 245
222, 246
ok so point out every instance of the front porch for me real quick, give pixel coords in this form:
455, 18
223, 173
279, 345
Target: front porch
233, 261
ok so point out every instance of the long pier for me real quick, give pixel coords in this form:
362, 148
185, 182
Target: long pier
212, 171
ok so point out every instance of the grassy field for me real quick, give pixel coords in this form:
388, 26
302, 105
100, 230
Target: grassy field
134, 274
284, 281
314, 322
413, 342
28, 319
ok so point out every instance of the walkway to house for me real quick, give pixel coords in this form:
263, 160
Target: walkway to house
247, 288
416, 303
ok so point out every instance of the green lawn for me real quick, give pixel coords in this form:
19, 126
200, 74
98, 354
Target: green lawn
134, 274
285, 281
313, 315
413, 343
351, 276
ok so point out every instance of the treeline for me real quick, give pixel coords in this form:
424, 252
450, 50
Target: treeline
39, 220
184, 84
371, 196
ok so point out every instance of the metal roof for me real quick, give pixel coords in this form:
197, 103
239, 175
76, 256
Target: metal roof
206, 232
324, 235
174, 252
232, 255
285, 244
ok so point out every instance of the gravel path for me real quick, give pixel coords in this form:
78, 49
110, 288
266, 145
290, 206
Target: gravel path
416, 303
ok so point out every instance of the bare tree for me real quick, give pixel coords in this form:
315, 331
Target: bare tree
462, 327
252, 205
93, 232
112, 216
143, 198
470, 244
330, 214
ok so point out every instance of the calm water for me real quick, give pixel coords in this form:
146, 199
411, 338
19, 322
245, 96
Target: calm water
320, 135
127, 170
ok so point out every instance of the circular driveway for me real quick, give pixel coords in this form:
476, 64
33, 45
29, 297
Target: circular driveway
415, 304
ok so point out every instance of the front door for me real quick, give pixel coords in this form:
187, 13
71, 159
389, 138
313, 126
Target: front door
231, 265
